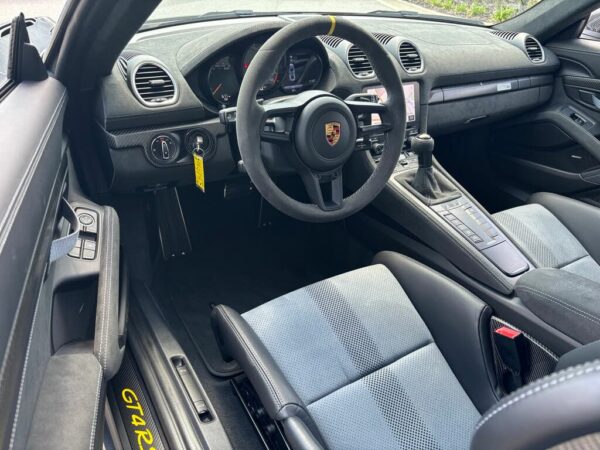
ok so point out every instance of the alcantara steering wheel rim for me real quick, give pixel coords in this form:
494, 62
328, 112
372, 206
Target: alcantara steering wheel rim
317, 113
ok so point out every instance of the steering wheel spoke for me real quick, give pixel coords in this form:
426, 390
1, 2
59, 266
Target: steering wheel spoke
279, 117
326, 190
371, 116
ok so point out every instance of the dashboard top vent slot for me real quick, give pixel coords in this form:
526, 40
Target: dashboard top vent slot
124, 59
506, 35
410, 58
331, 41
534, 49
153, 85
359, 63
383, 38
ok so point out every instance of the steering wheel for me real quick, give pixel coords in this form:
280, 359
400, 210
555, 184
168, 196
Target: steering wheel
316, 129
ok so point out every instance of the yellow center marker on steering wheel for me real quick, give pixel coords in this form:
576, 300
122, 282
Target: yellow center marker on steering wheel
332, 27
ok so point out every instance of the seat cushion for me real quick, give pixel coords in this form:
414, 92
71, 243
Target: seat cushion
546, 241
364, 364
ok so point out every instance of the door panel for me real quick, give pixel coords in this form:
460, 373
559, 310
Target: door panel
32, 180
62, 321
557, 148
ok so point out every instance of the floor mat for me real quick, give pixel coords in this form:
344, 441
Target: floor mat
244, 267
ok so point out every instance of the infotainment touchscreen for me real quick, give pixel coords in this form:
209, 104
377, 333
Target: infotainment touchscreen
410, 94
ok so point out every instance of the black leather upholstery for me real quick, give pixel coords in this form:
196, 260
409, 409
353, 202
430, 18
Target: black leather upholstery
579, 355
238, 341
548, 412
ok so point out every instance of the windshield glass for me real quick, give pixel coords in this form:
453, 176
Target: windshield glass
486, 11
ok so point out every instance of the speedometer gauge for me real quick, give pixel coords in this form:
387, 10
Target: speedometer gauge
273, 80
223, 81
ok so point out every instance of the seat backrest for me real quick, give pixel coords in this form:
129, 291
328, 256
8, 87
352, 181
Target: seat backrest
554, 410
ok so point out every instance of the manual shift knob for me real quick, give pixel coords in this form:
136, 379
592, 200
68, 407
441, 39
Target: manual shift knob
422, 144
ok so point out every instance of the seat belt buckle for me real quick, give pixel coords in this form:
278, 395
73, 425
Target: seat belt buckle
512, 347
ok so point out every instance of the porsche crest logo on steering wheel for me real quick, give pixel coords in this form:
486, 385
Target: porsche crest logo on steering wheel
332, 132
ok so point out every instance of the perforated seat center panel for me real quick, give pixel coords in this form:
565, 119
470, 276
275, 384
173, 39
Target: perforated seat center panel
363, 361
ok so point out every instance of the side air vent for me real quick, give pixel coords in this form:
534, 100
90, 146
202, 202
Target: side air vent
534, 49
410, 58
359, 63
153, 85
331, 41
506, 35
383, 38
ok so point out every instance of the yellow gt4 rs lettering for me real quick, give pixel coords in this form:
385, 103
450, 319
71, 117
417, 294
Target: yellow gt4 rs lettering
144, 436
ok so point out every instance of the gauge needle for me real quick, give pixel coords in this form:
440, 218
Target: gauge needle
217, 89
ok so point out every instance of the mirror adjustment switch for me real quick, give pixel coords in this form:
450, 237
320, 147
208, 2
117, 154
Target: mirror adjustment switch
88, 219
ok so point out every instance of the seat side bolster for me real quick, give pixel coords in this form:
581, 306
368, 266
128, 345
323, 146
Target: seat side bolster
580, 218
551, 411
239, 342
458, 321
564, 300
299, 436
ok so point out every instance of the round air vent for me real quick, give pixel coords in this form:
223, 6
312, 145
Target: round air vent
152, 84
410, 58
534, 49
359, 63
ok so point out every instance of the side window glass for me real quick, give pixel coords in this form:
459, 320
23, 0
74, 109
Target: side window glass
14, 36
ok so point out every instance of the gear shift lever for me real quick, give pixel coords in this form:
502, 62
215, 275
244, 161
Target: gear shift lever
422, 145
433, 187
424, 181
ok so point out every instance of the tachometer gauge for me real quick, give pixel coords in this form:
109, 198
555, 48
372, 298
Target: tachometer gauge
273, 80
223, 81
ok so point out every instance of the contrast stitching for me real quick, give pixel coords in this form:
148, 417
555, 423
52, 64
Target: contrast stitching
23, 375
104, 321
95, 419
537, 389
107, 292
257, 363
573, 309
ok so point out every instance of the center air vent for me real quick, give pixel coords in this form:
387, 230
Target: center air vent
359, 63
153, 85
410, 58
534, 49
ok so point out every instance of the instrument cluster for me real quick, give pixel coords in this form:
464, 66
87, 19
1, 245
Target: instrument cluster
301, 69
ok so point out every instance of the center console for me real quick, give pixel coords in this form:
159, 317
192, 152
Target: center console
423, 198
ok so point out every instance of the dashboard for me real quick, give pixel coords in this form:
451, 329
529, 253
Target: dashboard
168, 94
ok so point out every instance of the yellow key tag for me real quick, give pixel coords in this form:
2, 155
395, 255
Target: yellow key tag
199, 171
